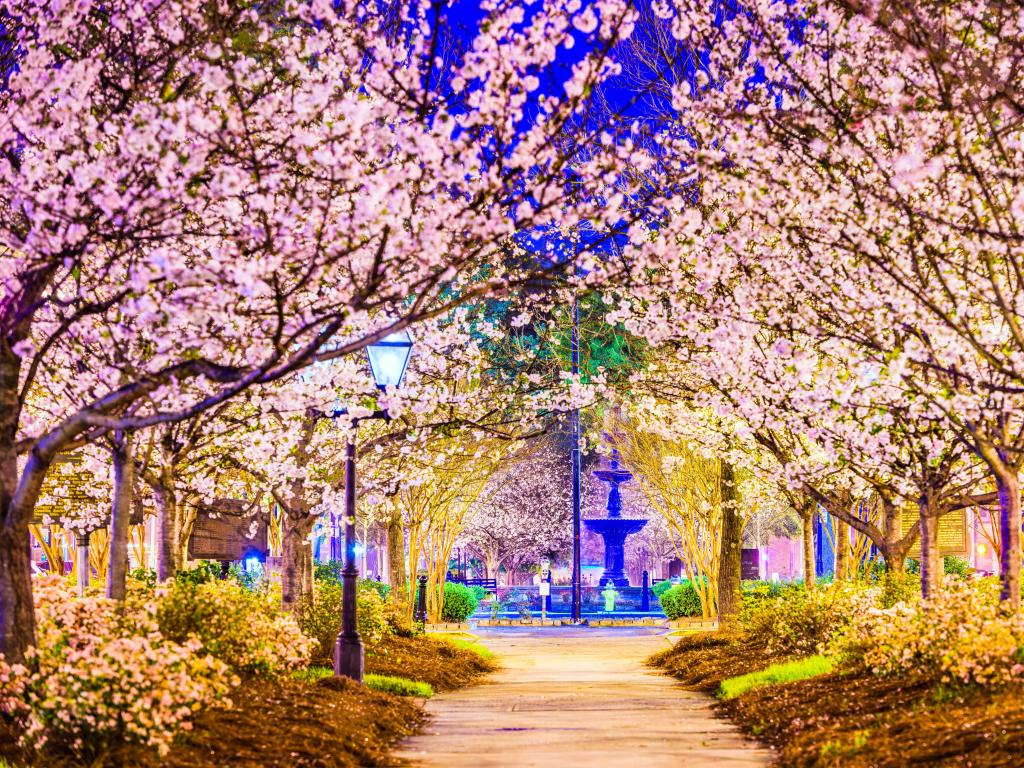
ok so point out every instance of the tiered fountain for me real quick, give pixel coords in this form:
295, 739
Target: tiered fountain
615, 528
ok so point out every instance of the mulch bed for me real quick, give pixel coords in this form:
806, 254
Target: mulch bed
331, 723
856, 720
428, 660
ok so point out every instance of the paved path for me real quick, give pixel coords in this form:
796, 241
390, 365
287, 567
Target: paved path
571, 697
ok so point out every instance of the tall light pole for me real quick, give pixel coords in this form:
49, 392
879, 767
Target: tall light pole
389, 359
574, 455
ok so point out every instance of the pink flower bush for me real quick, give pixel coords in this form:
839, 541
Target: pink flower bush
101, 676
246, 630
959, 635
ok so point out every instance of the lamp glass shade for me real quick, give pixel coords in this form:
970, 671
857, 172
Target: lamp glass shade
389, 358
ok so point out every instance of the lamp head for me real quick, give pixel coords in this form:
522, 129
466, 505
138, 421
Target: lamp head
389, 359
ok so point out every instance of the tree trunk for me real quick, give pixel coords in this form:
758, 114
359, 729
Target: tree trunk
396, 558
1008, 486
895, 550
807, 518
166, 521
17, 622
729, 588
931, 561
292, 562
120, 514
296, 560
842, 539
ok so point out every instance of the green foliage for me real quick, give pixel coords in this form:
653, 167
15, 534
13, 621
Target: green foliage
251, 580
951, 566
662, 587
145, 577
788, 672
319, 617
382, 589
246, 630
205, 572
328, 570
899, 588
957, 566
460, 602
479, 593
399, 686
681, 600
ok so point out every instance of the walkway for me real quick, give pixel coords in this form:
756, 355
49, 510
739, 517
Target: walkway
571, 697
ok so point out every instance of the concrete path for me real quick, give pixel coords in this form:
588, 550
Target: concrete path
571, 697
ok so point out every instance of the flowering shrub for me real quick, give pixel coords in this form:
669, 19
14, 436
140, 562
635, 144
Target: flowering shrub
320, 617
103, 676
960, 635
793, 620
246, 630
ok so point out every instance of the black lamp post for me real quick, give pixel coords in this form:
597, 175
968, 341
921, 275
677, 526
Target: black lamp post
389, 359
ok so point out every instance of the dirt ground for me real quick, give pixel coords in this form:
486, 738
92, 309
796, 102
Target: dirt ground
429, 660
857, 720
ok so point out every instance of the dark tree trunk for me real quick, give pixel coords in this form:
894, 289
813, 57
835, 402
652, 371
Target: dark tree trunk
729, 587
120, 514
1008, 486
931, 560
17, 621
807, 519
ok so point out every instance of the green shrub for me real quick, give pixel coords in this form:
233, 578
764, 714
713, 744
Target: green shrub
245, 630
144, 577
662, 587
681, 600
479, 593
382, 589
205, 572
319, 617
956, 566
398, 686
251, 579
899, 588
459, 602
788, 672
328, 570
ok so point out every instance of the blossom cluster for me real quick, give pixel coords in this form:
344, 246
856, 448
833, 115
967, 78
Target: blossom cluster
960, 634
806, 622
101, 676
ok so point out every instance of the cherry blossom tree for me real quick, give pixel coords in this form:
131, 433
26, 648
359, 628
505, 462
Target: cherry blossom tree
204, 215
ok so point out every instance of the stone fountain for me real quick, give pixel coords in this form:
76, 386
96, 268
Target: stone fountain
615, 528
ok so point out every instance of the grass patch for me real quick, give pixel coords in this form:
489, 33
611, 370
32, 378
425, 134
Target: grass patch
398, 686
466, 643
787, 672
309, 675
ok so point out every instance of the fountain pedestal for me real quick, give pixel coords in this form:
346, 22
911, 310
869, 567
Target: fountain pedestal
615, 528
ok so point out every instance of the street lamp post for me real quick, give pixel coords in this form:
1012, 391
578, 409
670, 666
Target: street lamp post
389, 359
